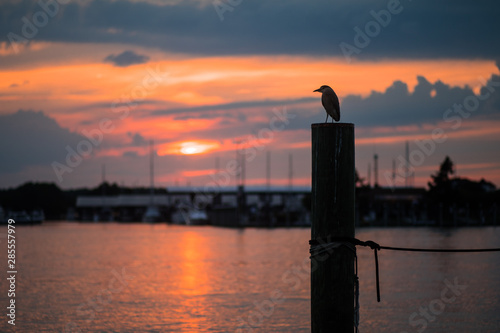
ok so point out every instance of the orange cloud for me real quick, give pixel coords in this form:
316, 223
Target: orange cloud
78, 94
212, 80
197, 173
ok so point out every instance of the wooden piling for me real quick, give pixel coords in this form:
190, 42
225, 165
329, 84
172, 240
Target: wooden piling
333, 186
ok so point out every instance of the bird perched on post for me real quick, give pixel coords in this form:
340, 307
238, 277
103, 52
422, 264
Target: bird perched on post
330, 102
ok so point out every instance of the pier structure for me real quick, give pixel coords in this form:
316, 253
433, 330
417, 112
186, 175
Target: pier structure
332, 218
225, 206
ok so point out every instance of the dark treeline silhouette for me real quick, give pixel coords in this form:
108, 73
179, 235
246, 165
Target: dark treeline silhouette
461, 200
55, 202
448, 201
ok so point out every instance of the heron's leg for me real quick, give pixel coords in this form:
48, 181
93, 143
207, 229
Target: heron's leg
326, 120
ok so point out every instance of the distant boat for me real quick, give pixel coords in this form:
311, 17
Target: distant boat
106, 215
189, 216
197, 217
37, 216
23, 217
152, 215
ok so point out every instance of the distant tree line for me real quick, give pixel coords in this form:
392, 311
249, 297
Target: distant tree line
55, 202
446, 195
448, 201
455, 194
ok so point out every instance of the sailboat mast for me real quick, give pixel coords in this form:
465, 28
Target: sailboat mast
151, 169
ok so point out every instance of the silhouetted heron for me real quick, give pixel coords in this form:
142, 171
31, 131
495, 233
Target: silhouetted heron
330, 102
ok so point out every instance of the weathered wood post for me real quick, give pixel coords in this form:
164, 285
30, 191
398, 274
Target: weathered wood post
333, 186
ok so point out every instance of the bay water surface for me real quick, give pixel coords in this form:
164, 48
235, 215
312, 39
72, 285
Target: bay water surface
77, 277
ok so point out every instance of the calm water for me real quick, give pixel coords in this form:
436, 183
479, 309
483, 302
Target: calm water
159, 278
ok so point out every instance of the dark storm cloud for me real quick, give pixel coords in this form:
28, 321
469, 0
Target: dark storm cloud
413, 29
428, 103
30, 138
126, 58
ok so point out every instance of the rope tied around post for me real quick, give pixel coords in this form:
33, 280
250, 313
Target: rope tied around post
319, 246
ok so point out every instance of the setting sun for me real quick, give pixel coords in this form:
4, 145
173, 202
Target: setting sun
193, 147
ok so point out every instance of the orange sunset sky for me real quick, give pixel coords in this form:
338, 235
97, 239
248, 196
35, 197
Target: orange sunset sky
101, 89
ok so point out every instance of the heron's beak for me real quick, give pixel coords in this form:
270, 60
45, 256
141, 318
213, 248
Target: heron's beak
317, 90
